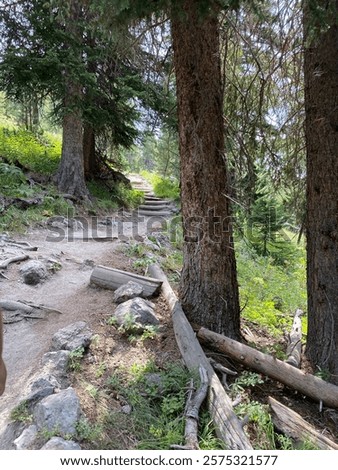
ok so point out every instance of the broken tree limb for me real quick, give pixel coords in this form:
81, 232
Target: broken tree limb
15, 259
223, 370
41, 307
294, 349
24, 247
307, 384
12, 305
15, 311
194, 404
111, 278
227, 425
294, 426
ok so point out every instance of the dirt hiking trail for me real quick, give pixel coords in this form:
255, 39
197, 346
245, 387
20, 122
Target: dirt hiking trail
67, 289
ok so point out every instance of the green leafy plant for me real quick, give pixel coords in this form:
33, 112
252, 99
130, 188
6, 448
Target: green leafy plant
260, 422
270, 293
247, 379
166, 188
74, 360
40, 154
88, 432
21, 413
101, 369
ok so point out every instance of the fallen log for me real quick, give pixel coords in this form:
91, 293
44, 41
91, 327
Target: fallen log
294, 426
111, 278
307, 384
294, 349
227, 425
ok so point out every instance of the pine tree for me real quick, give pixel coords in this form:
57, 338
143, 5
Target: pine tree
321, 97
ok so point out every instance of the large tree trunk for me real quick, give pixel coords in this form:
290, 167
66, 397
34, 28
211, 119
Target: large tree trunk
208, 289
321, 107
3, 372
70, 176
89, 155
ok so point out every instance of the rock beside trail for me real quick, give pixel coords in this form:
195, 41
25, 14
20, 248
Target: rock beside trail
33, 272
74, 336
27, 438
135, 315
57, 443
127, 292
49, 402
58, 413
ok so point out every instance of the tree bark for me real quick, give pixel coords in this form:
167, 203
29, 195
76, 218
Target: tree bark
321, 128
308, 384
70, 176
3, 372
208, 289
89, 155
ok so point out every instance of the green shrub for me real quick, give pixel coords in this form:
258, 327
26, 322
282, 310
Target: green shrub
111, 199
40, 154
163, 187
270, 294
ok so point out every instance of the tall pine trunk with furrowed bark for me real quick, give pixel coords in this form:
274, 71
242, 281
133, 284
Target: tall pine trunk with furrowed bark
321, 109
208, 288
70, 176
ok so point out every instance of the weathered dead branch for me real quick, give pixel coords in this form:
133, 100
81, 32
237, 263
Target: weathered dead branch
193, 406
15, 259
294, 426
228, 426
294, 349
15, 311
308, 384
224, 371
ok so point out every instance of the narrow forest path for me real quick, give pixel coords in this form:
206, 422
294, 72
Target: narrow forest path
67, 289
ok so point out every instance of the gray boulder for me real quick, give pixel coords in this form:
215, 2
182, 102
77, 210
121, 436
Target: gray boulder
135, 315
58, 413
33, 272
127, 292
77, 335
26, 438
57, 443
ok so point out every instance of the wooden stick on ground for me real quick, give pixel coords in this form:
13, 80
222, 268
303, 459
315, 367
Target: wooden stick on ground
294, 426
308, 384
4, 264
223, 370
228, 426
194, 404
294, 349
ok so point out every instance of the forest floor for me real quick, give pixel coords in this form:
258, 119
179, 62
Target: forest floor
68, 290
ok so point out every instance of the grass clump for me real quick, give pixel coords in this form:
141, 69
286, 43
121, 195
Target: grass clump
21, 413
156, 398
